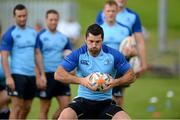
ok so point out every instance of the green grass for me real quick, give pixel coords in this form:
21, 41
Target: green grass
137, 98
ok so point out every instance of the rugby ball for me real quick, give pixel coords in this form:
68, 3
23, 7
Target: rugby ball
130, 42
135, 64
99, 79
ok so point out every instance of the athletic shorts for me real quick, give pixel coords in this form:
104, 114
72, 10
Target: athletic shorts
2, 87
117, 91
90, 109
54, 88
25, 87
2, 84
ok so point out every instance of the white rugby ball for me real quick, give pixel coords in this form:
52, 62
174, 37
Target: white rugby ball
135, 62
128, 42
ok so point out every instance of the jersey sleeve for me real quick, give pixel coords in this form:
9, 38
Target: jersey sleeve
7, 40
137, 27
68, 45
71, 61
99, 18
38, 41
120, 63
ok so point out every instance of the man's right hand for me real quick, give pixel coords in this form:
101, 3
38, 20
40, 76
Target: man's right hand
42, 82
85, 82
10, 83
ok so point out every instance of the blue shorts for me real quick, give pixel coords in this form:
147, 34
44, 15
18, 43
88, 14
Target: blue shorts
25, 87
54, 88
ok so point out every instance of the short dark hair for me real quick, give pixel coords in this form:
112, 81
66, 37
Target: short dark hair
51, 11
111, 2
95, 29
18, 7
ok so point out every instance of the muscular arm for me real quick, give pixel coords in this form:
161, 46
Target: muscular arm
126, 79
141, 50
39, 70
39, 61
5, 63
63, 76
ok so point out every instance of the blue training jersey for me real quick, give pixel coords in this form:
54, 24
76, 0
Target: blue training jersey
115, 34
126, 17
52, 46
108, 61
20, 43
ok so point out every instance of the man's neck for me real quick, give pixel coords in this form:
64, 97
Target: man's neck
111, 23
21, 27
120, 9
52, 31
94, 54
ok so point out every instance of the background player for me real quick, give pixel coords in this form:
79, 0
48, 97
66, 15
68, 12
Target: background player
18, 42
50, 47
128, 18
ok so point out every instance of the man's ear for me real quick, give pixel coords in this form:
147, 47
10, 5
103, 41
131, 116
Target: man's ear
85, 39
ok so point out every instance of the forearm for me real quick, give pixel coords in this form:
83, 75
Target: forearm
66, 77
141, 48
141, 51
126, 79
39, 62
5, 64
6, 69
37, 73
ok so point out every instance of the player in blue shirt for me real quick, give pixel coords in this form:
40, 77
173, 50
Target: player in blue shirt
18, 42
50, 46
90, 58
130, 20
114, 32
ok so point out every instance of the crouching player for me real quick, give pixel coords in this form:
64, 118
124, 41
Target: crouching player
90, 58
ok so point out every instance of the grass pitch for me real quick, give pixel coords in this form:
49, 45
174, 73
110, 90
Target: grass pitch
137, 98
